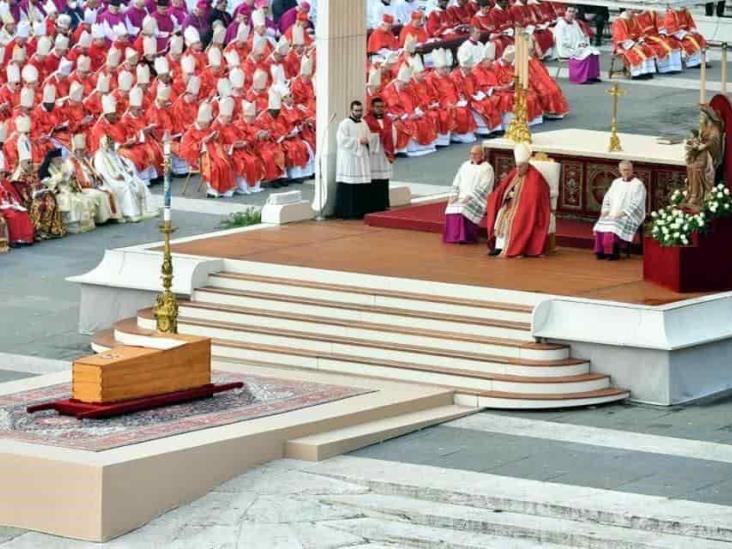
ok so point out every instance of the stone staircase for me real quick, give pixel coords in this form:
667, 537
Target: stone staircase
482, 349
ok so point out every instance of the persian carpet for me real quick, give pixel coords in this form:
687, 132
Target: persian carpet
260, 397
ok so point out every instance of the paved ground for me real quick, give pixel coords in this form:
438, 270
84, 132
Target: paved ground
40, 309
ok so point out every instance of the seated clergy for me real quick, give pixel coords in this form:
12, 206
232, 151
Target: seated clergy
623, 211
519, 210
466, 205
573, 44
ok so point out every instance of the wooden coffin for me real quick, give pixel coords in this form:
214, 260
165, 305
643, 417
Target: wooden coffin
125, 373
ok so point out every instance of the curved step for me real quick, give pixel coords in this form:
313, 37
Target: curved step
469, 397
417, 373
426, 302
418, 350
375, 351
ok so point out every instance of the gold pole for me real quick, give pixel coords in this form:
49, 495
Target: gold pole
166, 306
518, 130
616, 93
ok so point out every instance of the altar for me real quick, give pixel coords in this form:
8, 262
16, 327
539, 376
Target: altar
588, 168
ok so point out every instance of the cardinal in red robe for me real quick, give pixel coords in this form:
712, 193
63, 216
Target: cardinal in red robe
519, 210
382, 37
201, 147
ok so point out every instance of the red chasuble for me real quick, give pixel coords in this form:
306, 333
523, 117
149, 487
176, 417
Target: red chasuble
528, 221
382, 39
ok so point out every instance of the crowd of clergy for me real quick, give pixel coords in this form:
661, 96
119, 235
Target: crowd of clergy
93, 92
95, 97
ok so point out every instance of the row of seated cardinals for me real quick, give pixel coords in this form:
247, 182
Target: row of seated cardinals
648, 40
241, 112
433, 107
495, 18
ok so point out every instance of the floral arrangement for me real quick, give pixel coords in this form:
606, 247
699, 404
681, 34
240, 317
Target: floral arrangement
674, 225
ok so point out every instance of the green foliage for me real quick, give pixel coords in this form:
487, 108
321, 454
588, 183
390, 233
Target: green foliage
250, 216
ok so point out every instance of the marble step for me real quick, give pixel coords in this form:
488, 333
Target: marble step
442, 330
402, 534
494, 522
426, 301
332, 443
655, 514
405, 347
273, 357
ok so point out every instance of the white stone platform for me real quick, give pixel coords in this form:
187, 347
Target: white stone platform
97, 496
594, 144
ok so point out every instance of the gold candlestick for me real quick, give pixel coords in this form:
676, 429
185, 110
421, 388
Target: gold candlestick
616, 93
166, 306
518, 130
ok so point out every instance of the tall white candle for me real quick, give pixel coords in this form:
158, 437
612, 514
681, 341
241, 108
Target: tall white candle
703, 76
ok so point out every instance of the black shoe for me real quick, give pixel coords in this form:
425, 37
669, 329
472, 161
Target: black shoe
614, 256
601, 256
495, 252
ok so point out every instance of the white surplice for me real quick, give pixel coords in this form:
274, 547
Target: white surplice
353, 162
571, 41
623, 209
470, 189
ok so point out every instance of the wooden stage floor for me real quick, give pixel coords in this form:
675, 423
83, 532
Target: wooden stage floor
355, 247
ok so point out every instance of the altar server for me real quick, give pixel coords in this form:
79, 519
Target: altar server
467, 202
623, 211
574, 45
353, 167
381, 152
519, 210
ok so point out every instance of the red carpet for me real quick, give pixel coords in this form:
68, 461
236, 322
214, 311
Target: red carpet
430, 218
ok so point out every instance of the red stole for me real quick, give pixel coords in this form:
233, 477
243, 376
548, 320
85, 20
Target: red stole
385, 133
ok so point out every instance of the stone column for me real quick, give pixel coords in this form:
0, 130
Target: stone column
340, 38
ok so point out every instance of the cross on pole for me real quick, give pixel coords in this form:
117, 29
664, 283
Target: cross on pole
616, 94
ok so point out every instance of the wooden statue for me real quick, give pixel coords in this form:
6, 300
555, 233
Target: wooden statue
699, 172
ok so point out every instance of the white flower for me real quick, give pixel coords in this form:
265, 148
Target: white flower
726, 191
654, 214
665, 230
685, 240
701, 223
685, 193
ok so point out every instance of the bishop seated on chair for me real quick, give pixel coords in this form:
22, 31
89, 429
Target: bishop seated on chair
519, 210
623, 211
466, 205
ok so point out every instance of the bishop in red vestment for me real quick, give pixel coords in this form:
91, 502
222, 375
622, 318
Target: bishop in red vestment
519, 210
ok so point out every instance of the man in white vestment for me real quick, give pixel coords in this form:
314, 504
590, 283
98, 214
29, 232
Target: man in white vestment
573, 44
623, 211
466, 205
353, 166
133, 197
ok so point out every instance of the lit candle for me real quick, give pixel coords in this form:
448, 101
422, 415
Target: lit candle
703, 87
525, 66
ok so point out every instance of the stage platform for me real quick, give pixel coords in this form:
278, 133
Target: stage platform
430, 217
351, 246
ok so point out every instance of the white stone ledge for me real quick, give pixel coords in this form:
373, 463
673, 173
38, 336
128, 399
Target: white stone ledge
135, 270
667, 328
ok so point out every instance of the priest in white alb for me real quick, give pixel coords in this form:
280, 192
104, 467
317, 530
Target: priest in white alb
353, 166
573, 44
466, 205
623, 211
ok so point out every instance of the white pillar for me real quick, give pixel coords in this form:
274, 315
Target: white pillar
340, 38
